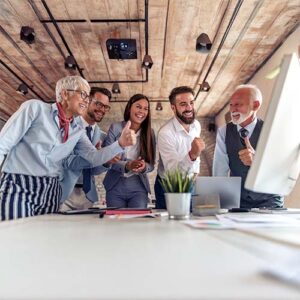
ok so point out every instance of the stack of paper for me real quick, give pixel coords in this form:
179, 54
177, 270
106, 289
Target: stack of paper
244, 222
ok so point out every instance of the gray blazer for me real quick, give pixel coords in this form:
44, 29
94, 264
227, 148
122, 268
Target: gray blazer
117, 170
73, 166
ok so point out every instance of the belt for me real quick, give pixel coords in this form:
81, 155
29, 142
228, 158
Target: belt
79, 185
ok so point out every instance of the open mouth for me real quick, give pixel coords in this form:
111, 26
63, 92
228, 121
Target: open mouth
140, 117
188, 114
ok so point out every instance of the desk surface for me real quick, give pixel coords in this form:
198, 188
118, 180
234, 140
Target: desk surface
83, 257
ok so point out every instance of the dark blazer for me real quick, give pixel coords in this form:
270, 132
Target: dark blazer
117, 170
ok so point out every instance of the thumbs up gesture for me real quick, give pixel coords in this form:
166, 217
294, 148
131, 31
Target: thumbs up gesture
247, 155
128, 136
197, 147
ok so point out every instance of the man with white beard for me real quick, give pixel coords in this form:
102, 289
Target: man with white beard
236, 143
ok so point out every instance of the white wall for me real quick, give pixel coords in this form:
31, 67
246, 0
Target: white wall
292, 44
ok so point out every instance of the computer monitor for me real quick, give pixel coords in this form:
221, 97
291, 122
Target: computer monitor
227, 188
276, 164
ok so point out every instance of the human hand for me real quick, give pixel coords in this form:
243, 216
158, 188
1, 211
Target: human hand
137, 165
198, 146
98, 145
247, 155
128, 136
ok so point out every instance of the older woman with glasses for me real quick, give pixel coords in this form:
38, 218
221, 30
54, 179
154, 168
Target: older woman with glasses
36, 139
126, 182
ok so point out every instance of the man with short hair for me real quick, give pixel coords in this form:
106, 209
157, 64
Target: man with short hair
178, 141
78, 185
236, 143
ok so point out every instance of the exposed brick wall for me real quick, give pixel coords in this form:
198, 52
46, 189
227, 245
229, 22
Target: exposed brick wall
206, 157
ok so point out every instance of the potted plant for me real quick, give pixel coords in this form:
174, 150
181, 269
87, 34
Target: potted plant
178, 186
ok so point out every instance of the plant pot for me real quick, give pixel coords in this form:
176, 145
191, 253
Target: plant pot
178, 205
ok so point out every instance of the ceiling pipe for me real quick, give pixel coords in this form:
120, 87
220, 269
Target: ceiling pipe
54, 22
37, 13
62, 37
94, 20
235, 12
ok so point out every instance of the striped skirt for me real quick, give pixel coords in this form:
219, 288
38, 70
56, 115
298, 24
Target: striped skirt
25, 196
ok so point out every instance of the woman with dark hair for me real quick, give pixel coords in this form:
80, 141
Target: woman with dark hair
126, 183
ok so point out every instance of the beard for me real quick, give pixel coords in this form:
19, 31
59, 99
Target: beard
186, 120
242, 118
94, 117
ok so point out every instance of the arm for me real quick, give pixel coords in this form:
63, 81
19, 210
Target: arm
221, 161
172, 157
86, 149
112, 135
17, 126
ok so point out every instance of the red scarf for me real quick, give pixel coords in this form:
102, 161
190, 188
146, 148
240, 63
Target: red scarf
64, 122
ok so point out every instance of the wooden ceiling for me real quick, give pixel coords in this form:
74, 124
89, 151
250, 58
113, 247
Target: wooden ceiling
244, 34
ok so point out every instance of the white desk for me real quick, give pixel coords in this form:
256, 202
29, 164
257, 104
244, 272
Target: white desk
84, 257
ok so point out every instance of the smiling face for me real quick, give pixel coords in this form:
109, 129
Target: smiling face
183, 108
97, 108
75, 102
139, 111
242, 108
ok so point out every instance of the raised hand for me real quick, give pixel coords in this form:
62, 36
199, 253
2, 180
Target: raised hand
247, 155
128, 136
198, 146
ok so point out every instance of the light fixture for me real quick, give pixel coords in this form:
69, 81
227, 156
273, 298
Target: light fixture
70, 63
204, 87
27, 34
159, 106
147, 62
22, 89
116, 89
203, 43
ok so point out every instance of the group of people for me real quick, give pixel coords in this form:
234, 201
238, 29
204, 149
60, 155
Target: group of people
50, 153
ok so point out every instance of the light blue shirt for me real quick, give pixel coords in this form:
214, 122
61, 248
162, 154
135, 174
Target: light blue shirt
32, 141
221, 160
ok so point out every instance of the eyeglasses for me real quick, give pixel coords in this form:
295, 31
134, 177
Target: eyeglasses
100, 105
83, 94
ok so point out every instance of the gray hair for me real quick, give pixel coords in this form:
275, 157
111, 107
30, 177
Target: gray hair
255, 92
70, 83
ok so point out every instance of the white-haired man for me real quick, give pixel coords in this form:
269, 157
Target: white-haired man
236, 143
36, 139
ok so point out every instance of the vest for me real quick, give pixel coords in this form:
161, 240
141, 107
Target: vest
233, 144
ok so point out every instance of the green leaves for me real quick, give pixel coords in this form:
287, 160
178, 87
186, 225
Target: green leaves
177, 181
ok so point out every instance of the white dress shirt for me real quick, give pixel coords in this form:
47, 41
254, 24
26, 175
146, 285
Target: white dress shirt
174, 144
221, 160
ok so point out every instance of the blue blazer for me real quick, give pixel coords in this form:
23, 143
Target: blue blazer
73, 166
117, 170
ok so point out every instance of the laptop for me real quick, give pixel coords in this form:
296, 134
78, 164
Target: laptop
228, 189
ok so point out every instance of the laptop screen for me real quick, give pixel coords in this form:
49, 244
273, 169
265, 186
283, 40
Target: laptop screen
228, 189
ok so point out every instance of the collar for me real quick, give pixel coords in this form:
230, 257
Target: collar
178, 126
54, 111
86, 124
250, 127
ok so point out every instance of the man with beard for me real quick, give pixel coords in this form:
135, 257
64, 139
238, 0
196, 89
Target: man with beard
178, 141
78, 184
236, 143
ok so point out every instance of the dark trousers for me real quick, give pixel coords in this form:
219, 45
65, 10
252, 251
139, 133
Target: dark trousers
159, 194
